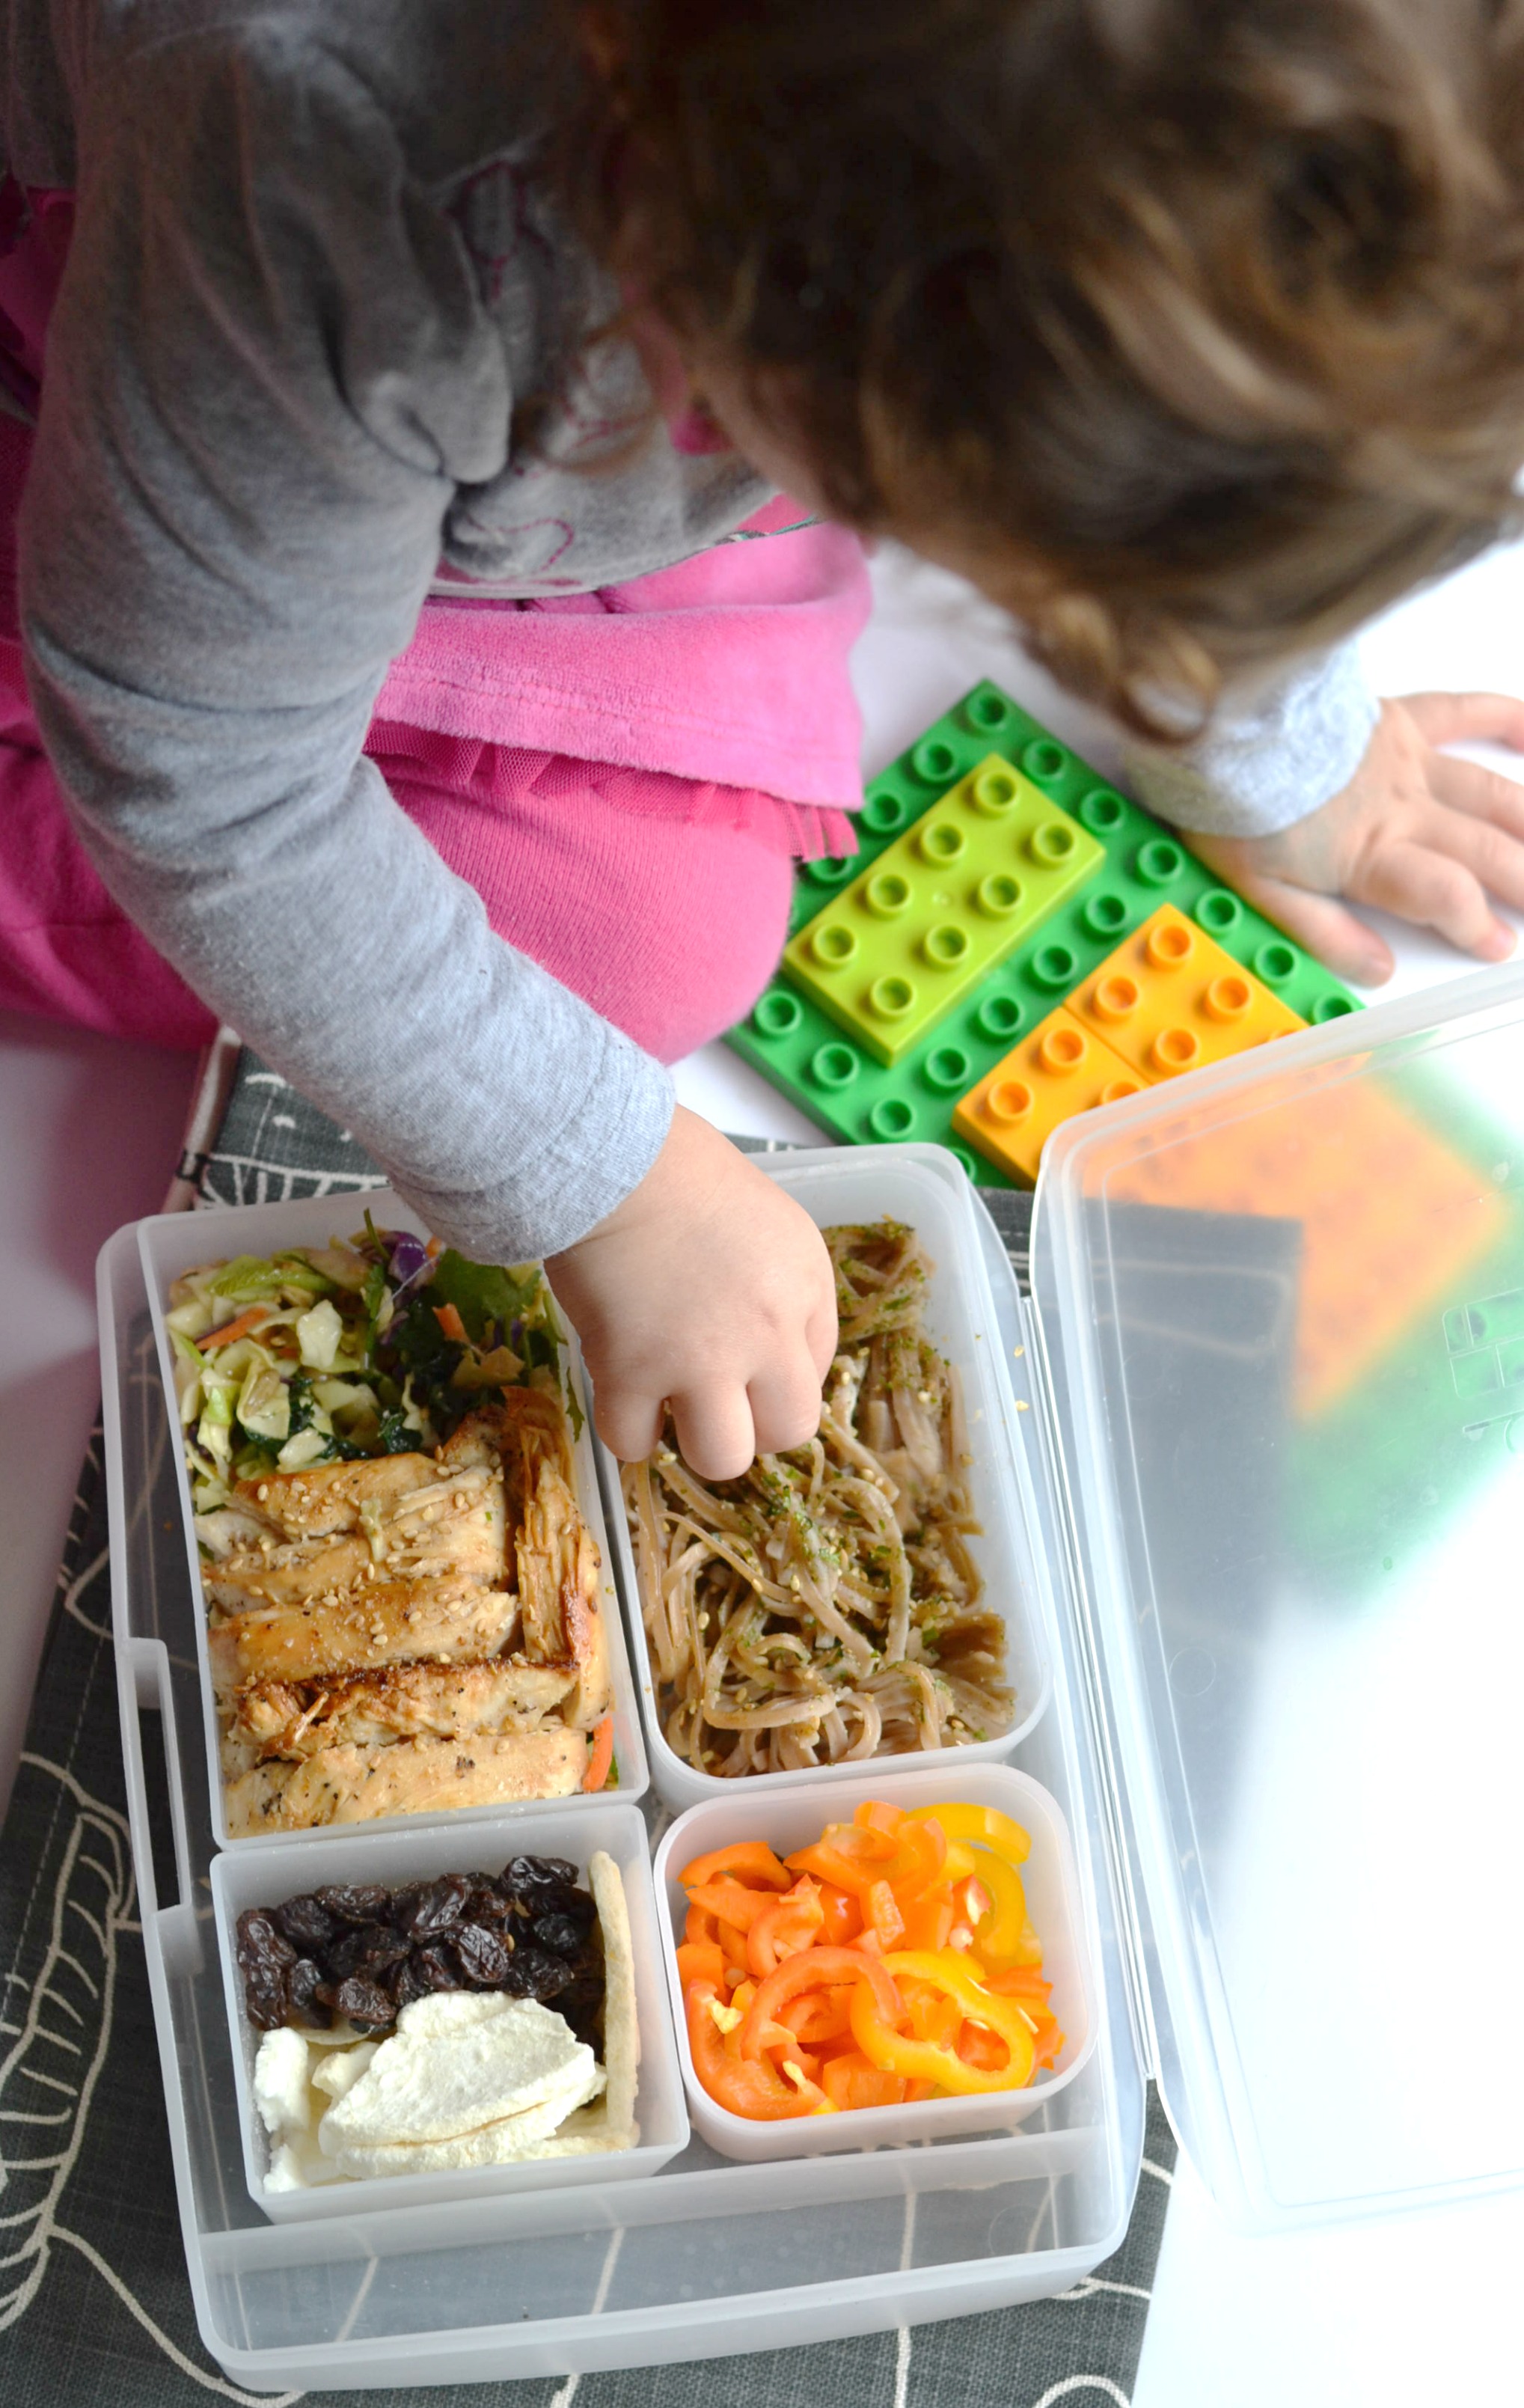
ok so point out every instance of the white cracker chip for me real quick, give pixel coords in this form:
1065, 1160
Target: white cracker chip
440, 2077
280, 2078
621, 2030
298, 2164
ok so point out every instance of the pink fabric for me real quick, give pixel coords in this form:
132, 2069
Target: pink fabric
622, 776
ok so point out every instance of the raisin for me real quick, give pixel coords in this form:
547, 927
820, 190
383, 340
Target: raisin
523, 1876
407, 1982
305, 1924
346, 1953
355, 1901
487, 1904
435, 1906
481, 1955
436, 1970
383, 1949
266, 1995
302, 1985
260, 1942
364, 2002
535, 1973
582, 2004
563, 1934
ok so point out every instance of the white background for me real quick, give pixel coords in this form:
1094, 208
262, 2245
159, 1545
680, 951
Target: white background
1402, 2314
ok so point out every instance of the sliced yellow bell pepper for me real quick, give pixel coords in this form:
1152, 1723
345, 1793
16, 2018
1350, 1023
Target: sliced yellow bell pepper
921, 2060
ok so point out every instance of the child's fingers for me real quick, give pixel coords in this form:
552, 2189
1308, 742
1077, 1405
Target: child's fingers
1482, 794
1323, 924
785, 1407
629, 1425
714, 1433
820, 1334
1435, 891
1467, 718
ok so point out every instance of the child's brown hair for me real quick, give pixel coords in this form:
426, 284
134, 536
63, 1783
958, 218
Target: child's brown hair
1195, 328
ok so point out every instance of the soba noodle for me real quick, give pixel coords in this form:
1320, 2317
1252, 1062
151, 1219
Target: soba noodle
825, 1608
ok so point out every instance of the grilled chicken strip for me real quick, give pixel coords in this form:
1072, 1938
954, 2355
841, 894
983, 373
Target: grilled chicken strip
413, 1701
411, 1776
558, 1589
456, 1524
448, 1618
327, 1497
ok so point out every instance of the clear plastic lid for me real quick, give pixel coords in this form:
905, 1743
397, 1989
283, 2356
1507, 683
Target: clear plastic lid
1282, 1311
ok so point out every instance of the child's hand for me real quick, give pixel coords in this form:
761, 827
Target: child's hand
709, 1290
1416, 833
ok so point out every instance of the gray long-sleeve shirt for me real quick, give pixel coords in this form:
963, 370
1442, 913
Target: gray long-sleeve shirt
282, 387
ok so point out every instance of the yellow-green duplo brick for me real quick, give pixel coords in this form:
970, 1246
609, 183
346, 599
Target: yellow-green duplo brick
940, 908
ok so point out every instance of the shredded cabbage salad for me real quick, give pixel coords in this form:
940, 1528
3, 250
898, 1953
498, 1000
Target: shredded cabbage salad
379, 1345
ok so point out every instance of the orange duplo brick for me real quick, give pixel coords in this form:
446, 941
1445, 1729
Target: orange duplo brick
1170, 999
1061, 1069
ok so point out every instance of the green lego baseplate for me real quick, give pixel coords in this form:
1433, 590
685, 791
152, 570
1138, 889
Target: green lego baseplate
833, 1077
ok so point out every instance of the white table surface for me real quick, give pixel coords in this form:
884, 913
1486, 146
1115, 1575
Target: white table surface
1418, 2309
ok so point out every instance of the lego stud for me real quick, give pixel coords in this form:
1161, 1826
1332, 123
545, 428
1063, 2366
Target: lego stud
1117, 1091
1101, 811
1168, 946
992, 792
999, 894
1044, 760
1219, 911
1061, 1051
998, 1016
777, 1014
1052, 968
988, 711
890, 999
968, 1164
1103, 915
1274, 962
884, 815
834, 1066
934, 761
1175, 1049
830, 874
1053, 843
941, 842
887, 895
891, 1118
831, 945
1116, 998
944, 947
1159, 863
1007, 1101
1228, 999
947, 1072
1329, 1007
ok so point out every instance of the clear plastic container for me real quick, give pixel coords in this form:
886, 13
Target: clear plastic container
908, 1183
174, 1242
414, 1851
789, 1818
703, 2257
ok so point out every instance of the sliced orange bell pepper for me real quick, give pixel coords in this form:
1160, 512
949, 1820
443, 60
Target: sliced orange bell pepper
785, 1926
881, 1912
702, 1960
842, 1913
750, 1860
750, 2086
818, 1969
928, 1919
850, 2081
730, 1902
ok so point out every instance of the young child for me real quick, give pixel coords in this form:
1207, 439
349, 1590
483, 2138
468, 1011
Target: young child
427, 676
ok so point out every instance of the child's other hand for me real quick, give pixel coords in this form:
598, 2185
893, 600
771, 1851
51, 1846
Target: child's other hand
1416, 833
709, 1290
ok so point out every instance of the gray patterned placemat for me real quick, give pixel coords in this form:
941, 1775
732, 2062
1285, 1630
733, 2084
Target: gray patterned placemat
94, 2307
